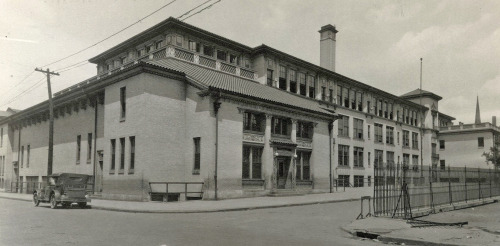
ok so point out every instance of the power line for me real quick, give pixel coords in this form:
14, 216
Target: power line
79, 64
189, 11
36, 85
112, 35
209, 6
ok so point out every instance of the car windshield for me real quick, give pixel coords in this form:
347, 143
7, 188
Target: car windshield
52, 181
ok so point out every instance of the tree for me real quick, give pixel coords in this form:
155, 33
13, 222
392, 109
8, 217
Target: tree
493, 156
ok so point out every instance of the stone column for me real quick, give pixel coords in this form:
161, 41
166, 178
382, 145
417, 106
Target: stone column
267, 154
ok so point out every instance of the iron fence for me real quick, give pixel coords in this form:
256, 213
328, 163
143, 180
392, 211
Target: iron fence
400, 188
30, 187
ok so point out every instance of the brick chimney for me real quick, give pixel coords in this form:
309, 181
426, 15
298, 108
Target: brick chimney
327, 47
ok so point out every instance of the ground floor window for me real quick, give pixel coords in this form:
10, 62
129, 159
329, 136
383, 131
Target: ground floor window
358, 181
303, 166
252, 162
343, 180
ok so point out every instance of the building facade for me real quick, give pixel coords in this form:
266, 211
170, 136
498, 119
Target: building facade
176, 103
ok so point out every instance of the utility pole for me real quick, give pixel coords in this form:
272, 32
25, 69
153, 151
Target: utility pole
51, 120
422, 130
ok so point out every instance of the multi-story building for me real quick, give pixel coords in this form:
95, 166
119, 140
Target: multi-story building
178, 103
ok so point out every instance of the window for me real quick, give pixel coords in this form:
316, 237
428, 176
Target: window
253, 122
358, 157
1, 137
480, 142
323, 93
331, 95
406, 139
359, 100
398, 138
414, 162
221, 55
123, 60
343, 180
159, 44
132, 155
78, 148
378, 133
441, 144
302, 84
414, 140
208, 50
28, 156
406, 159
178, 40
368, 107
303, 166
358, 128
369, 158
379, 106
389, 135
280, 126
345, 94
343, 155
252, 163
293, 81
89, 147
339, 95
390, 158
369, 132
442, 164
304, 129
269, 77
194, 46
369, 180
22, 156
343, 130
352, 96
385, 108
312, 87
149, 48
358, 181
246, 62
197, 158
378, 158
113, 155
233, 59
122, 153
282, 78
123, 104
390, 109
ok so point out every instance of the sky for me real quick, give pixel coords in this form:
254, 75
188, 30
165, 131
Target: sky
379, 43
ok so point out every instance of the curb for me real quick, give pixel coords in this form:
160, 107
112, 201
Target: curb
386, 239
203, 210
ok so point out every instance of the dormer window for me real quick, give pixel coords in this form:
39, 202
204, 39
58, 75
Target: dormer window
149, 48
208, 50
108, 67
159, 44
141, 52
221, 55
123, 60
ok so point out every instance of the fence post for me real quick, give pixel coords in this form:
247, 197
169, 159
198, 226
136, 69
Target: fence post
185, 191
490, 181
431, 172
479, 180
465, 174
449, 186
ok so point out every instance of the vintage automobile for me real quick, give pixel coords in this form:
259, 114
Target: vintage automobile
65, 189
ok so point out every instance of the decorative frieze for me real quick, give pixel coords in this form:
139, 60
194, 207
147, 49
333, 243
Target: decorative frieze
305, 144
253, 137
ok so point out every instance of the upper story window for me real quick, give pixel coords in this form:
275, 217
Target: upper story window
178, 40
390, 109
331, 96
385, 109
253, 122
323, 93
269, 77
414, 140
312, 87
233, 59
221, 55
345, 95
358, 128
293, 81
280, 126
159, 44
282, 78
441, 144
123, 60
149, 48
352, 96
194, 46
339, 95
380, 108
302, 84
359, 99
246, 62
406, 138
480, 142
123, 103
304, 129
378, 133
389, 135
208, 50
343, 130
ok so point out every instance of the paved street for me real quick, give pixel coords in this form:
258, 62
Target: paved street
23, 224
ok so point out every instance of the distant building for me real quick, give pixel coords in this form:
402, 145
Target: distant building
463, 144
180, 104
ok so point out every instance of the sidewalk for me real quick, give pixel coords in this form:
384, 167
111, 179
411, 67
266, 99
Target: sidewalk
482, 227
201, 206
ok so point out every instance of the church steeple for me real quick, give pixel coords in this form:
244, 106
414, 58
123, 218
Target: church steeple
478, 117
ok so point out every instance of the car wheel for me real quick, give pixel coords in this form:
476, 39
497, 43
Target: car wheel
53, 202
35, 199
82, 204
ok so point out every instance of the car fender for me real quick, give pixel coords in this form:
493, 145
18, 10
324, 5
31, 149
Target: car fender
57, 194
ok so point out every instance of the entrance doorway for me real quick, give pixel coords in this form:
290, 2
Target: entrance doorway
283, 169
99, 172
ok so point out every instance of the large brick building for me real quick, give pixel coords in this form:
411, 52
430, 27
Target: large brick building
180, 104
